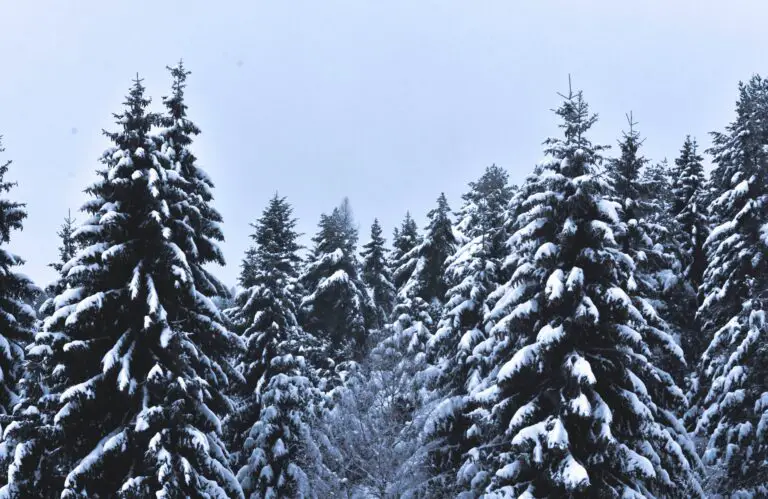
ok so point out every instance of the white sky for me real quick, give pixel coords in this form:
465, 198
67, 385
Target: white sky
386, 102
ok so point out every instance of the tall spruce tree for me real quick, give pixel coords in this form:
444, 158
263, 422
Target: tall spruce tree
427, 259
67, 250
582, 410
404, 239
375, 274
271, 418
265, 311
247, 275
193, 216
456, 349
648, 243
733, 393
689, 226
137, 349
336, 307
16, 316
67, 246
689, 210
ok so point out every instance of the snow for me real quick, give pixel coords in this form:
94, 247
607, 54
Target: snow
546, 251
572, 474
580, 369
554, 286
609, 209
521, 359
637, 463
575, 279
548, 334
557, 436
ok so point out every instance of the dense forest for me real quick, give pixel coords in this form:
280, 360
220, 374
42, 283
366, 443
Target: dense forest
595, 331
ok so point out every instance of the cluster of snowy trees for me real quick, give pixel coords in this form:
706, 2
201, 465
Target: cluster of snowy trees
595, 331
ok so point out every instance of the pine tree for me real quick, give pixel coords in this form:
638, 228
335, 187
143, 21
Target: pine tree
336, 308
16, 316
582, 410
270, 422
375, 274
658, 176
265, 312
689, 210
282, 456
733, 391
247, 275
192, 215
427, 260
67, 247
67, 250
138, 351
648, 243
474, 271
404, 240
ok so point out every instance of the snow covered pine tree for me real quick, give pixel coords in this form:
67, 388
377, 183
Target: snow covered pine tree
733, 396
691, 230
472, 272
581, 408
375, 274
138, 349
404, 239
278, 454
16, 316
336, 308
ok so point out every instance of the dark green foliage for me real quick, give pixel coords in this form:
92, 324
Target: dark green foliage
375, 274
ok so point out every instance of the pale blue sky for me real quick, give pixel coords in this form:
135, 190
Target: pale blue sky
388, 102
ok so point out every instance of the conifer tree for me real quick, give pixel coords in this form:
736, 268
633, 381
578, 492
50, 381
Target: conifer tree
265, 312
647, 242
67, 246
336, 307
271, 418
457, 346
404, 240
16, 316
247, 275
427, 259
375, 274
67, 250
689, 210
193, 215
137, 349
658, 176
733, 392
581, 408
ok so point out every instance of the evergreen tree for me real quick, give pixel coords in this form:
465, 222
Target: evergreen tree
247, 275
16, 316
733, 392
265, 311
647, 242
67, 251
138, 351
336, 307
404, 240
658, 177
270, 422
193, 215
427, 260
689, 210
67, 247
282, 458
582, 410
457, 348
375, 274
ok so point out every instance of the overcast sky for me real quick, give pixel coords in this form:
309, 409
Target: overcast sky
388, 102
